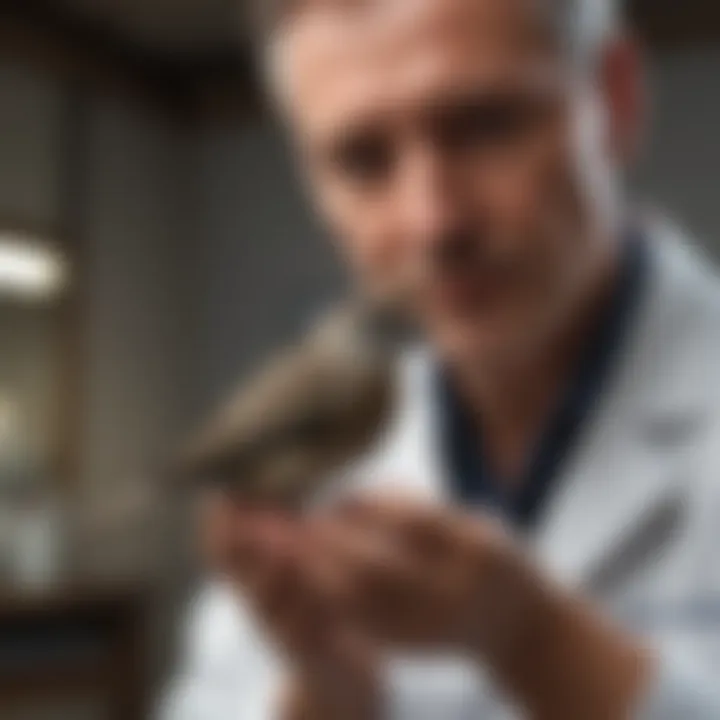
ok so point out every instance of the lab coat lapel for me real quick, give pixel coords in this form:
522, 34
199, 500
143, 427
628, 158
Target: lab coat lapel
625, 489
626, 480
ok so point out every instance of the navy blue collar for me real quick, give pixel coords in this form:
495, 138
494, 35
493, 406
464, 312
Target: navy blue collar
461, 443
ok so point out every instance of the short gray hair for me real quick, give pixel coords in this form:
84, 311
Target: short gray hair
587, 24
582, 25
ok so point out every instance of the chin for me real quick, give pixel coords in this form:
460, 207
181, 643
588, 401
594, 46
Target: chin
469, 343
490, 341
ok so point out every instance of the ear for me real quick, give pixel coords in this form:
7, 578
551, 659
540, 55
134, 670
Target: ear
622, 83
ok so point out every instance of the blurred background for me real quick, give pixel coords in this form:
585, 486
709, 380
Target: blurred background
153, 244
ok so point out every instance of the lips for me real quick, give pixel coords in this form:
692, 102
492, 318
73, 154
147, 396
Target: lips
469, 288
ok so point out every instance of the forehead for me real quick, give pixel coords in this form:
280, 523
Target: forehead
343, 59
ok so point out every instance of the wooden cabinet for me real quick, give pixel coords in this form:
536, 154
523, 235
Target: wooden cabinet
75, 648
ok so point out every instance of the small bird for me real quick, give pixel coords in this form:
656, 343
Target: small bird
308, 412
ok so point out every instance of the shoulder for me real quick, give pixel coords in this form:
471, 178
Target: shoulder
687, 278
691, 380
679, 341
684, 339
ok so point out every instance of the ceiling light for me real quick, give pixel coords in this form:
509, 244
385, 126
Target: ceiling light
30, 269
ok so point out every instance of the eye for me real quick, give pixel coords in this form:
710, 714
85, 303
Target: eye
486, 122
364, 158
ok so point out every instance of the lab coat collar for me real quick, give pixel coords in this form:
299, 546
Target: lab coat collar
629, 477
629, 473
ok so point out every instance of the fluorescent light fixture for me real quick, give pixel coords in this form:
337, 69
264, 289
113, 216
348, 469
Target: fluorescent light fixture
29, 268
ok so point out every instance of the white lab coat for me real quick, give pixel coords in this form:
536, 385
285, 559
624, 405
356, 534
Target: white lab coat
634, 523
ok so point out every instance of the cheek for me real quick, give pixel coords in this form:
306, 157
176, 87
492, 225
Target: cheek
534, 210
533, 193
366, 232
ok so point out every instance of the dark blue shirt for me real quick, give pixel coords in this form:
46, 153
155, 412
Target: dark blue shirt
472, 480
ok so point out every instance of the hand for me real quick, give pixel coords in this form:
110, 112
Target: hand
433, 578
406, 575
429, 578
294, 593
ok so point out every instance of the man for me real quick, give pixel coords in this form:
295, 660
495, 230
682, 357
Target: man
541, 533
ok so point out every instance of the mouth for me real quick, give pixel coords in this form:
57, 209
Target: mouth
469, 287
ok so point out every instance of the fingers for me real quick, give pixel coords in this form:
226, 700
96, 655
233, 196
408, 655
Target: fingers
396, 568
430, 530
296, 591
382, 582
293, 590
307, 581
416, 569
387, 509
408, 522
232, 533
217, 522
366, 564
295, 614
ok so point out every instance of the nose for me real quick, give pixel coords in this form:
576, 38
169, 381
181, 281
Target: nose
430, 201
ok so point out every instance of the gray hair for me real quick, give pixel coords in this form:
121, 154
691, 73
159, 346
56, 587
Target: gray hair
583, 26
586, 24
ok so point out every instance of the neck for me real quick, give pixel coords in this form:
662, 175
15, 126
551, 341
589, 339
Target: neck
513, 398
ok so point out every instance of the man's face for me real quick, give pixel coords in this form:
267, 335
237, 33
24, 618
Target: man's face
440, 140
